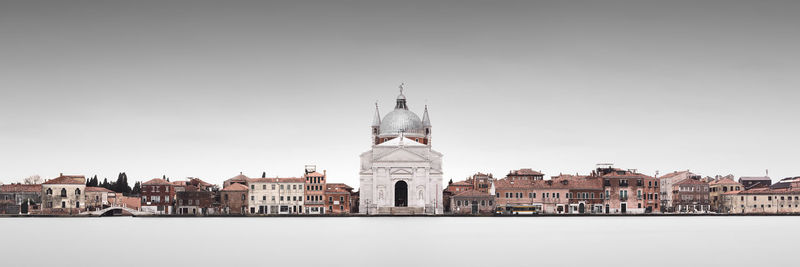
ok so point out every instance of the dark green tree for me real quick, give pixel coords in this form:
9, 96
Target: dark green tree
137, 189
264, 175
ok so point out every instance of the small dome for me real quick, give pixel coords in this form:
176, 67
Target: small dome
401, 120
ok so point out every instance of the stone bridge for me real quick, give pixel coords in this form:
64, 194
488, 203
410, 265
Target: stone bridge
111, 210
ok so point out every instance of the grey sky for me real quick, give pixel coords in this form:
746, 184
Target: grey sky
186, 88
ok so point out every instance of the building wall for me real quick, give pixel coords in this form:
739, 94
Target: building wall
337, 202
314, 201
551, 200
715, 194
630, 192
275, 197
234, 202
464, 205
54, 203
766, 203
689, 198
158, 199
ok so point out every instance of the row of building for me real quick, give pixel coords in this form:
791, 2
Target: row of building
609, 190
605, 190
240, 195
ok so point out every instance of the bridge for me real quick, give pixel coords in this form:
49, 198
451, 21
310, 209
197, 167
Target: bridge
117, 210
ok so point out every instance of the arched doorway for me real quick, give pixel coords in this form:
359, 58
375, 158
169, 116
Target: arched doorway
400, 194
581, 208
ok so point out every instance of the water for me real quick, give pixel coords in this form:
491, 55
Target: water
413, 241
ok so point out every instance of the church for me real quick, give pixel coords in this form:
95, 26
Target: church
401, 174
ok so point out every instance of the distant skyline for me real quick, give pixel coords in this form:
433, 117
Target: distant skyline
208, 90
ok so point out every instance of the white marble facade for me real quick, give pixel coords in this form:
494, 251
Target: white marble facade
401, 172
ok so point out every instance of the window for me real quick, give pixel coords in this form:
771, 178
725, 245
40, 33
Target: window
330, 199
77, 191
252, 187
458, 203
243, 197
252, 198
264, 197
50, 193
490, 202
273, 187
281, 187
273, 198
483, 202
63, 192
341, 199
263, 187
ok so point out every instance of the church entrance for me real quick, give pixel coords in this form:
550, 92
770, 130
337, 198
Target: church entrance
400, 194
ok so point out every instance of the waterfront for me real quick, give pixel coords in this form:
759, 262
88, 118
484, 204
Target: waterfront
400, 241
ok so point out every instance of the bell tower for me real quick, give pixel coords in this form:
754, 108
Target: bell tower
376, 125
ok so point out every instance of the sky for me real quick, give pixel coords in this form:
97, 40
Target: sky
205, 89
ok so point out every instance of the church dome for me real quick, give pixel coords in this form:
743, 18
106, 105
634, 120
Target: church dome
401, 120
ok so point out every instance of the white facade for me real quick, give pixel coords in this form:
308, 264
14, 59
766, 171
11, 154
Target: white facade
275, 195
401, 174
387, 166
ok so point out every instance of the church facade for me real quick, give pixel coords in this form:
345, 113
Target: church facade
401, 174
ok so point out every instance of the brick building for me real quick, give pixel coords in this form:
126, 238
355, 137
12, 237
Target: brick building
516, 191
314, 190
585, 193
691, 196
233, 199
158, 196
338, 198
194, 201
626, 191
64, 195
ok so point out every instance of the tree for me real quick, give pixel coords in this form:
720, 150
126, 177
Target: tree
137, 188
264, 175
33, 179
450, 182
92, 181
105, 184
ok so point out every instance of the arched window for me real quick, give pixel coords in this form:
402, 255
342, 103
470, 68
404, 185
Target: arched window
49, 191
77, 191
63, 192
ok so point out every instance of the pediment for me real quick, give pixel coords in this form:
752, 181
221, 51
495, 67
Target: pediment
400, 155
402, 171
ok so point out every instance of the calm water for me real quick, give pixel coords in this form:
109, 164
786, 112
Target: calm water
542, 241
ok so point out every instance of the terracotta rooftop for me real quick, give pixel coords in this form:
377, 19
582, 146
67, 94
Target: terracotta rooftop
235, 187
472, 193
67, 179
723, 181
530, 184
98, 189
157, 181
769, 191
524, 172
675, 173
690, 182
19, 188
